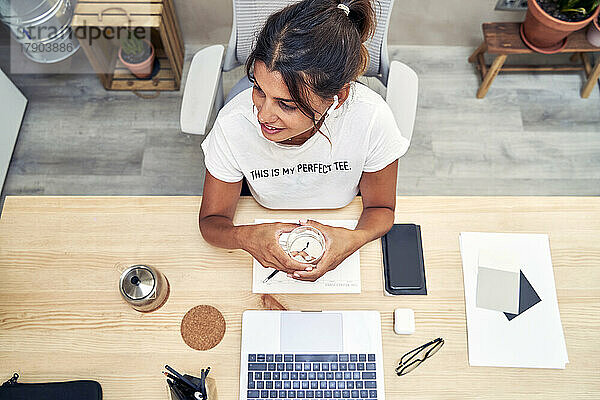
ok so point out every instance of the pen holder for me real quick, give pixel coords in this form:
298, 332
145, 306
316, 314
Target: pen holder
211, 389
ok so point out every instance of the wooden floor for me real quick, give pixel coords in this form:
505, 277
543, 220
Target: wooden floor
531, 135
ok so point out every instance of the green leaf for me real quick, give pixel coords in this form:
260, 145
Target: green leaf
575, 10
584, 7
131, 45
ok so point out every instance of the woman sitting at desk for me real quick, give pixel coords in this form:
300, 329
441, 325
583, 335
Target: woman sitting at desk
305, 136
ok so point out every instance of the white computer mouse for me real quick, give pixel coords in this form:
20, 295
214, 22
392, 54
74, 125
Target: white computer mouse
404, 321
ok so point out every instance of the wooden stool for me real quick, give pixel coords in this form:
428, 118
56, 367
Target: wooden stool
504, 39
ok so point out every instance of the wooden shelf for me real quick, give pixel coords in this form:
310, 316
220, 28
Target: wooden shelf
157, 17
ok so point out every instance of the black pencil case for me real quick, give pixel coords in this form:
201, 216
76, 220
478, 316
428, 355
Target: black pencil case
73, 390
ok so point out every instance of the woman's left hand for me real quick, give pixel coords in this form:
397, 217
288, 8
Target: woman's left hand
339, 244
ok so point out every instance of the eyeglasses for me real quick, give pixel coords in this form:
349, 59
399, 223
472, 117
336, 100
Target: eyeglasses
415, 357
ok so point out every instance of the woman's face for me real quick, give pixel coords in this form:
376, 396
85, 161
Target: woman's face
279, 117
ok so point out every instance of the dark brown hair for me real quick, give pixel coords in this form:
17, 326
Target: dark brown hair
314, 45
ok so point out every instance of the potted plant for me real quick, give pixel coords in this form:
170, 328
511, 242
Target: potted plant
593, 34
137, 55
549, 22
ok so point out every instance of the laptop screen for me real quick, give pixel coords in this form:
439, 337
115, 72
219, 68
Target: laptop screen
311, 332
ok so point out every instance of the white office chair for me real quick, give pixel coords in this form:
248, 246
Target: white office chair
203, 92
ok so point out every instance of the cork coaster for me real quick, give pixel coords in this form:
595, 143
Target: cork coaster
203, 327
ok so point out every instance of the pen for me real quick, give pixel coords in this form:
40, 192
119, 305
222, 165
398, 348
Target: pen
170, 382
203, 381
276, 271
270, 276
174, 390
179, 393
172, 377
181, 378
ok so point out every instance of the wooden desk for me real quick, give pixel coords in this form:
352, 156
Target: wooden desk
61, 316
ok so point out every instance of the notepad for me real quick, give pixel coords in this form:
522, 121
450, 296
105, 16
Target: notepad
343, 279
531, 338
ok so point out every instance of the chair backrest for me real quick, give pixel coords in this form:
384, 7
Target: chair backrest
249, 17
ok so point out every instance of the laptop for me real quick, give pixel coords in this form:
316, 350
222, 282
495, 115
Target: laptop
311, 355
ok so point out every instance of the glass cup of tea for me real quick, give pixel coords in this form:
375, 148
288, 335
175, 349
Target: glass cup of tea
305, 244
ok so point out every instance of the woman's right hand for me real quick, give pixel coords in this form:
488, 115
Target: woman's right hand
262, 242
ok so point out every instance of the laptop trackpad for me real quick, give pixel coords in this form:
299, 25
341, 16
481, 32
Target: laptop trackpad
311, 332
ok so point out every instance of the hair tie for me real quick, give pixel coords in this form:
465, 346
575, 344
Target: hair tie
344, 8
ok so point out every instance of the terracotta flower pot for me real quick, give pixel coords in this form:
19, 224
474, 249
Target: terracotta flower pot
546, 34
143, 69
593, 33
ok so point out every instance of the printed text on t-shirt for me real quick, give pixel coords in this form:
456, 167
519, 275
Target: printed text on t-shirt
315, 168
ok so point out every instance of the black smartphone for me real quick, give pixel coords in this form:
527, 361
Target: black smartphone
403, 265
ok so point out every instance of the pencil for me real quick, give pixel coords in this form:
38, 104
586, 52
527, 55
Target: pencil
171, 376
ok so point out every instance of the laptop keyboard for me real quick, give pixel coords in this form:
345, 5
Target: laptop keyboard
311, 376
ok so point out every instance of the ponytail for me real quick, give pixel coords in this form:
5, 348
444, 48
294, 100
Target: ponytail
362, 16
315, 45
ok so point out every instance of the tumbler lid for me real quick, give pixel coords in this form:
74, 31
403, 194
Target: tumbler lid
137, 282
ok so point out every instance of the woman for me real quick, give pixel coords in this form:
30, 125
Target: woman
306, 135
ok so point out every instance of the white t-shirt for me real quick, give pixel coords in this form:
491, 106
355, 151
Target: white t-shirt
364, 138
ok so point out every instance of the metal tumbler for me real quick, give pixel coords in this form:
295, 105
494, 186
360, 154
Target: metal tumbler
145, 288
